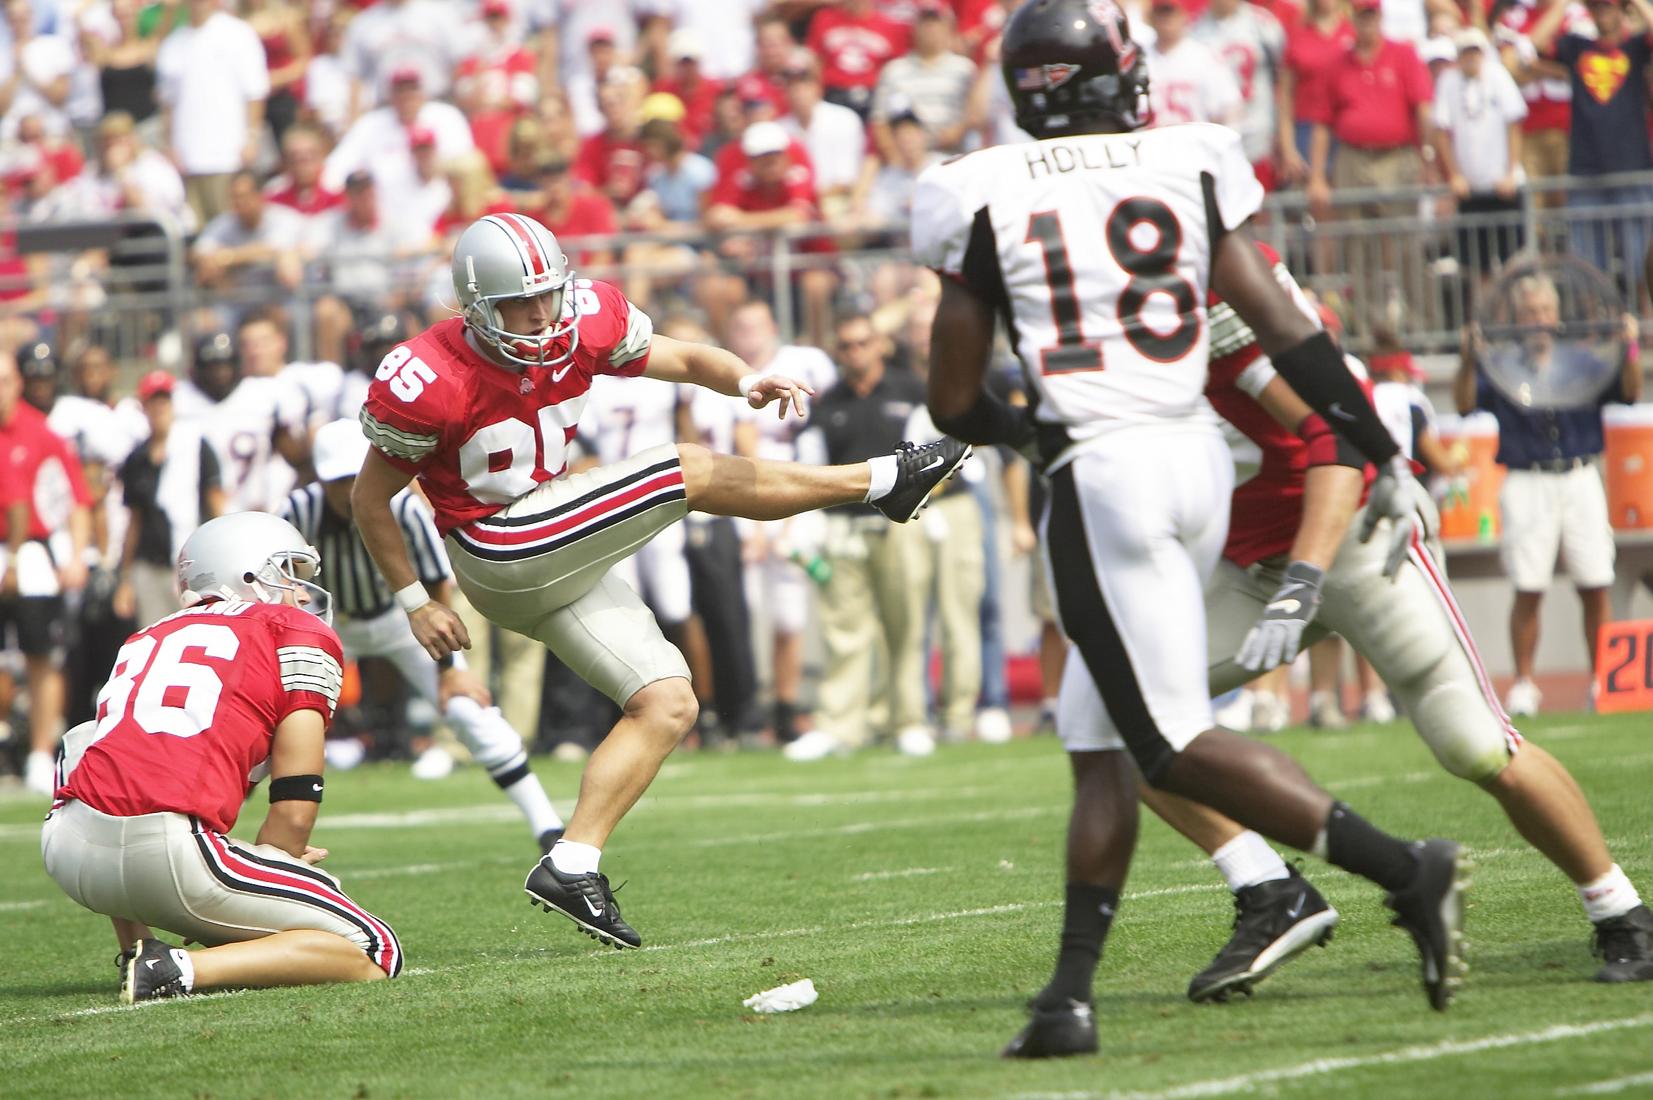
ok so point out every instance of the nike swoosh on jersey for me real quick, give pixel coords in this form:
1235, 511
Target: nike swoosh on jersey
557, 375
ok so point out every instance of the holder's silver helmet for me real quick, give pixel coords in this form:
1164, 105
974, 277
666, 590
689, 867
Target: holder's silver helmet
512, 256
254, 557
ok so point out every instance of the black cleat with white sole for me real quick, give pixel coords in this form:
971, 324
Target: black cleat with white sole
1274, 922
1431, 907
1057, 1029
584, 899
1625, 945
151, 973
921, 469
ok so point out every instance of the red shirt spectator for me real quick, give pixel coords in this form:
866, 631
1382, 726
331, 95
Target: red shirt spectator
306, 200
1373, 103
853, 42
1311, 54
697, 92
613, 165
570, 208
39, 468
1549, 98
299, 187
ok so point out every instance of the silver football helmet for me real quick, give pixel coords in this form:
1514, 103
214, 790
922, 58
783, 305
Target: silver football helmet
254, 557
512, 256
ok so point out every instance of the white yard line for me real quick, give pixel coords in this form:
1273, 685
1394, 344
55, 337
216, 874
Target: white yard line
905, 872
1321, 1067
15, 906
1608, 1087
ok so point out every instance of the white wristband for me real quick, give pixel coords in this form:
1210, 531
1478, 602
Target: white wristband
750, 383
412, 598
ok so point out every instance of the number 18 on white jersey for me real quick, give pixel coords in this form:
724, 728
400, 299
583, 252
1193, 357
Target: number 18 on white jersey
1098, 250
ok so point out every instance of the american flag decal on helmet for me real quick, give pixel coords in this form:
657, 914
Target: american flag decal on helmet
1045, 77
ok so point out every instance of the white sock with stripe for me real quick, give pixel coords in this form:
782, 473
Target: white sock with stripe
187, 966
531, 799
1247, 860
1611, 895
573, 858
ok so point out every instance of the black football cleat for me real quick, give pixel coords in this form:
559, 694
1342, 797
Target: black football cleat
1625, 946
151, 973
584, 899
1059, 1029
548, 840
1274, 922
1431, 907
920, 471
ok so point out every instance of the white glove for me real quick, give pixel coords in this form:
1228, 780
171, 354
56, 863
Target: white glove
1278, 635
1392, 498
785, 998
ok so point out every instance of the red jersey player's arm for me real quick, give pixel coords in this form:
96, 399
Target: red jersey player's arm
1331, 492
722, 372
296, 749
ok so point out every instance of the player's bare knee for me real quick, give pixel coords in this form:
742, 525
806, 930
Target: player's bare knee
666, 706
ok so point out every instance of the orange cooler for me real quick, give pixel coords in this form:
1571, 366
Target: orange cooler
1474, 513
1629, 465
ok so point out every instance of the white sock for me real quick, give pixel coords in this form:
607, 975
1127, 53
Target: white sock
573, 858
1049, 705
535, 806
1322, 848
187, 965
881, 471
1611, 895
1247, 860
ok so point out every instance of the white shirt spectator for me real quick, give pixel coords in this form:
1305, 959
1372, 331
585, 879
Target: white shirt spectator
724, 27
100, 195
1477, 113
934, 90
576, 19
378, 143
206, 77
1405, 20
890, 198
45, 58
1253, 44
364, 262
1191, 84
835, 140
327, 91
393, 34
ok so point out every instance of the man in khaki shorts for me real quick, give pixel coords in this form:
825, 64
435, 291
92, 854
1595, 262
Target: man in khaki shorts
242, 681
481, 409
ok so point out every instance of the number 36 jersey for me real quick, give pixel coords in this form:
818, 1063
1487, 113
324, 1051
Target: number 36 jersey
479, 435
1097, 248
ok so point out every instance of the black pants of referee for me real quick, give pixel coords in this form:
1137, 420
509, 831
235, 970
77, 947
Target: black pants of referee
718, 595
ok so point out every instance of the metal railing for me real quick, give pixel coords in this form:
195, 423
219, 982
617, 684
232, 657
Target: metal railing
1401, 259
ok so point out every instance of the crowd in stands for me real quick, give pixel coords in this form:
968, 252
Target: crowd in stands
319, 156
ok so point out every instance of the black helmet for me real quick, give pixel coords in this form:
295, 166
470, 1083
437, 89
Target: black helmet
211, 350
1071, 68
37, 361
372, 337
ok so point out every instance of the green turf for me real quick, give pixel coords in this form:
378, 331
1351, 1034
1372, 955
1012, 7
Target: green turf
921, 897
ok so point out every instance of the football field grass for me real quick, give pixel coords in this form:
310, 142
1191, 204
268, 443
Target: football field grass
921, 896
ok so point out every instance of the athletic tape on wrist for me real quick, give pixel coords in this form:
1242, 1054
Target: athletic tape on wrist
749, 382
412, 598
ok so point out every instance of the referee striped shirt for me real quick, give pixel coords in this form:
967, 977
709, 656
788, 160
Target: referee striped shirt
347, 570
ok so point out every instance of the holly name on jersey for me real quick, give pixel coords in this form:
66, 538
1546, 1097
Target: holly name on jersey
479, 434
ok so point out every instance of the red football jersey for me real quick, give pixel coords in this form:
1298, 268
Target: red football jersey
38, 467
479, 435
1267, 507
192, 703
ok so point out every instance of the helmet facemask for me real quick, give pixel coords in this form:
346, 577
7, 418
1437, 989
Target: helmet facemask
284, 572
525, 349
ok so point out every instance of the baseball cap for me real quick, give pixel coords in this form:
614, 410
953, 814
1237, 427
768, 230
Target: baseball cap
496, 7
155, 383
763, 138
1472, 38
406, 74
1439, 48
685, 44
600, 34
1367, 5
339, 451
358, 179
657, 105
420, 136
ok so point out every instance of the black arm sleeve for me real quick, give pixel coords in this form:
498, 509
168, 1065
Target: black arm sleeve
1315, 369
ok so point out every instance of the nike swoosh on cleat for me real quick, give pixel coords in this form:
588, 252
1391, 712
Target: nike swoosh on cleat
932, 465
150, 963
596, 910
1297, 909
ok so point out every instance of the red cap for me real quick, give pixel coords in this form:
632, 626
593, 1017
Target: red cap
420, 136
1384, 362
1367, 5
496, 7
600, 34
154, 383
406, 74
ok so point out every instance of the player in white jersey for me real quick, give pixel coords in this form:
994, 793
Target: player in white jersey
313, 386
1251, 41
626, 417
1113, 336
1188, 82
775, 580
256, 425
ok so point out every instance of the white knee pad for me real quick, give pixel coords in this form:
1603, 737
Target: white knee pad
486, 735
